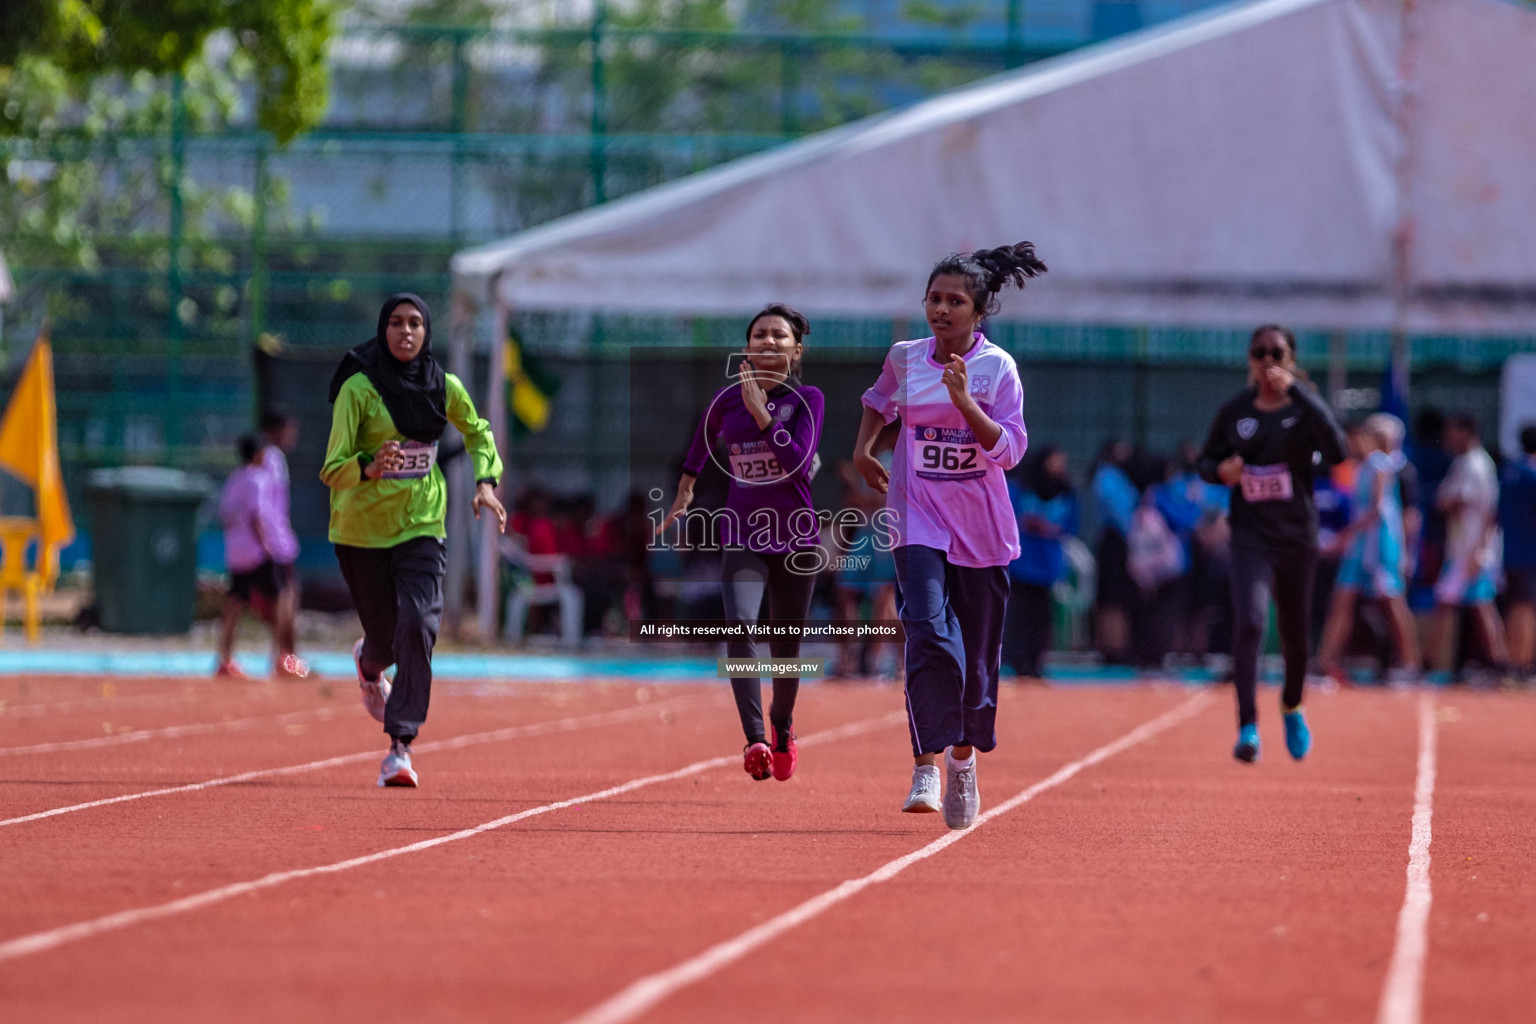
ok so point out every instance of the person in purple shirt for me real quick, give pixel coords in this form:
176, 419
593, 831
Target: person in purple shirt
766, 426
246, 513
280, 432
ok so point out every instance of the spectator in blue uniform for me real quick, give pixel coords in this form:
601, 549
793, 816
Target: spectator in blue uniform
1047, 511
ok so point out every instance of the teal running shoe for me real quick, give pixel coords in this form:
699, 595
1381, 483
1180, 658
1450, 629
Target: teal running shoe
1247, 748
1298, 738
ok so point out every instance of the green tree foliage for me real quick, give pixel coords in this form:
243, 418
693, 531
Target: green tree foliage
90, 168
283, 40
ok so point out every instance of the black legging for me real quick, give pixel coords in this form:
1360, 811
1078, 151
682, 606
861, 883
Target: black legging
1028, 636
398, 594
744, 576
1255, 571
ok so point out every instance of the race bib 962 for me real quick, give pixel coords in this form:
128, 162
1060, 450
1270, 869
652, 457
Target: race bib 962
946, 453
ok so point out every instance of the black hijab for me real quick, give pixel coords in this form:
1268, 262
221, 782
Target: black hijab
1043, 483
415, 393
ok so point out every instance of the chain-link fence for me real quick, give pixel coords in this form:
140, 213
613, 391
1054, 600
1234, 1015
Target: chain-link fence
1157, 388
202, 239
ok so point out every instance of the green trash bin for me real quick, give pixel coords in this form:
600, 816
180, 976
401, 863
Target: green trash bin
144, 547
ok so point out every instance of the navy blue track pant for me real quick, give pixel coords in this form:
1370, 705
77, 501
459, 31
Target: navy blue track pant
953, 617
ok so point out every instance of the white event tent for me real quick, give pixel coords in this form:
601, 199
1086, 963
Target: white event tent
1339, 164
1258, 162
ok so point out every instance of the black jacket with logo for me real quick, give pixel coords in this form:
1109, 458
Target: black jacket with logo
1273, 504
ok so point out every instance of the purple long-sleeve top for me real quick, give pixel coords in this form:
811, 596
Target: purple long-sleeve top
768, 507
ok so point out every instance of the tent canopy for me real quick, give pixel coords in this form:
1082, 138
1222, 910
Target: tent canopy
1254, 163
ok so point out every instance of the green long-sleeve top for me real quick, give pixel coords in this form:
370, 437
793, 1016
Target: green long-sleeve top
382, 513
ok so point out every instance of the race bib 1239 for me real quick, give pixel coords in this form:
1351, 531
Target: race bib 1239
754, 462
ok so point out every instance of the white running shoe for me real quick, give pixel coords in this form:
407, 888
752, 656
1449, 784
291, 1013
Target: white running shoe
396, 770
962, 800
375, 692
924, 798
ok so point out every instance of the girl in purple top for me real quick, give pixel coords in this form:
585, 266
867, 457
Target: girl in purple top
767, 425
961, 407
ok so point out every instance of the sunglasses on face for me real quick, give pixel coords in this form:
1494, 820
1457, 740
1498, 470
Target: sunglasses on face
1258, 355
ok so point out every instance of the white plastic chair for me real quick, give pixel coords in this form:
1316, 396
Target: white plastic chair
527, 593
1074, 592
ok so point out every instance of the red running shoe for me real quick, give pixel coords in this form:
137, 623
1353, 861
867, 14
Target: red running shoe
784, 761
757, 759
229, 670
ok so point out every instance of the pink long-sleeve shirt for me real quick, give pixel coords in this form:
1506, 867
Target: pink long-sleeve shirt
285, 546
245, 511
946, 490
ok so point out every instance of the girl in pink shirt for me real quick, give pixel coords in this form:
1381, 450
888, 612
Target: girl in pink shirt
961, 407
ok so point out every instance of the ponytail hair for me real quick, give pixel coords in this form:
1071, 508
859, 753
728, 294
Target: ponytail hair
988, 271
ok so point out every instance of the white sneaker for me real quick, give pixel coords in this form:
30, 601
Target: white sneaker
962, 800
924, 798
374, 692
396, 770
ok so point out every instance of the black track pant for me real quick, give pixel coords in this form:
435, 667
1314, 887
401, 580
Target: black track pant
1027, 637
744, 578
1255, 572
398, 593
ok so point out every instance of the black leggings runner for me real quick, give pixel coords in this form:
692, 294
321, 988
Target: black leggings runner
744, 575
398, 593
1255, 571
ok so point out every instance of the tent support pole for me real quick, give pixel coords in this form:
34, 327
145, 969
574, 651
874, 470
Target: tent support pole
486, 591
1338, 366
463, 312
1402, 234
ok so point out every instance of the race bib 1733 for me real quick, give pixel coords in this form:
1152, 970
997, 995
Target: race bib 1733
417, 460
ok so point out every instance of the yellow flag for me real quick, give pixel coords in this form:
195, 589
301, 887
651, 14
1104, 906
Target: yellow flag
529, 402
29, 447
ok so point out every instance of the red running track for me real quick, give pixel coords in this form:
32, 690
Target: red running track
1163, 882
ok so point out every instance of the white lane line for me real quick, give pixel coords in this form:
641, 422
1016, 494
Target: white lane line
39, 942
1402, 996
173, 732
647, 992
192, 692
139, 700
494, 736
